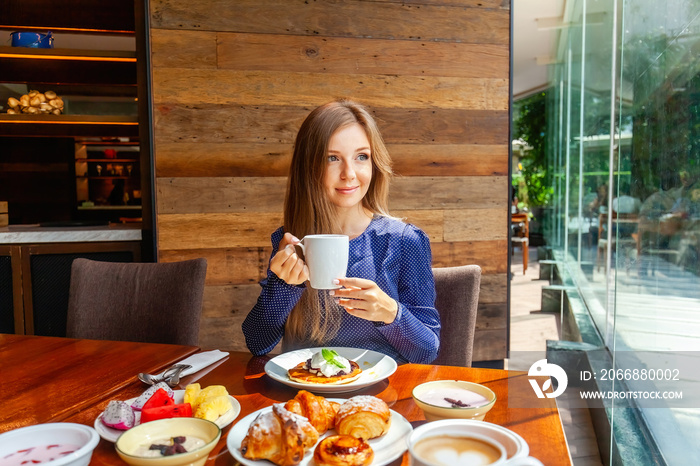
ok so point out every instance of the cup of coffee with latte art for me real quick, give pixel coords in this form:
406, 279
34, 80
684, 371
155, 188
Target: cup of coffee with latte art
448, 443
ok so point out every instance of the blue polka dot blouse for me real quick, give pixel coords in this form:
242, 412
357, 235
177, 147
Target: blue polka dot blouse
394, 255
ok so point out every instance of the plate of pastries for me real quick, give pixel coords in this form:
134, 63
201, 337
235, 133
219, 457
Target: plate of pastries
330, 369
317, 431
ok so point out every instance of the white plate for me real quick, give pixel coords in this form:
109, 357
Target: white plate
375, 368
386, 448
111, 435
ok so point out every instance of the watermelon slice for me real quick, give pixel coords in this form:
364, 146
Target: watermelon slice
159, 398
145, 396
166, 412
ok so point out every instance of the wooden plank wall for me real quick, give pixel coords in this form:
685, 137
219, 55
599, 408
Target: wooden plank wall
232, 82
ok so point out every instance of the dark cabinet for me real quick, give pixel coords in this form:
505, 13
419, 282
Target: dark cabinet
35, 282
10, 290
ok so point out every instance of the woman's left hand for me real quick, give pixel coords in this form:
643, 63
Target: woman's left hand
364, 299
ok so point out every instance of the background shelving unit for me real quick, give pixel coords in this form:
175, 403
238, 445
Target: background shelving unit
102, 170
99, 72
93, 68
100, 76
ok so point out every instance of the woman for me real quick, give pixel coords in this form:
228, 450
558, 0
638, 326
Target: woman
339, 183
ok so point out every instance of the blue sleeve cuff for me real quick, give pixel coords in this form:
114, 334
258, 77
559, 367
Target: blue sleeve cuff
399, 314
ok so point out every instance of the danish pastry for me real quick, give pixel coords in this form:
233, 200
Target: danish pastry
364, 417
319, 411
279, 436
343, 450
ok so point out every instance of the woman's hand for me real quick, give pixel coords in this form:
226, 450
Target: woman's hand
286, 264
364, 299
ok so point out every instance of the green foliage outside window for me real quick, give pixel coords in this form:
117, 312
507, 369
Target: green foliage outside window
532, 185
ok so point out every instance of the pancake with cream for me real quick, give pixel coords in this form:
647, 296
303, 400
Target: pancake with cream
326, 367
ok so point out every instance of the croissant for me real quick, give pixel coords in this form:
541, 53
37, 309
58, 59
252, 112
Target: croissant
343, 450
319, 411
279, 436
364, 417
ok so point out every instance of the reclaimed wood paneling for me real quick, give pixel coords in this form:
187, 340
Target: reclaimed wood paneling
477, 224
230, 300
490, 345
180, 159
226, 266
449, 159
190, 49
371, 56
222, 333
229, 194
279, 124
492, 286
341, 18
492, 256
232, 82
490, 316
448, 192
204, 231
430, 221
190, 159
183, 85
264, 194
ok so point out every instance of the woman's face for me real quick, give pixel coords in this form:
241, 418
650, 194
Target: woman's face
348, 170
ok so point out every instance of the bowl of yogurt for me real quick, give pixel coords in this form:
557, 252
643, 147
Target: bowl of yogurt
60, 443
453, 399
168, 442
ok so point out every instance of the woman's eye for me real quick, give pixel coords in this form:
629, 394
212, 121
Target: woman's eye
363, 157
332, 158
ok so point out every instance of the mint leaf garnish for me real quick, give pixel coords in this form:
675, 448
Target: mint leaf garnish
329, 356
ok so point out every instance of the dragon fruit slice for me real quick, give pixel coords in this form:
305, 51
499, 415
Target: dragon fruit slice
145, 396
118, 415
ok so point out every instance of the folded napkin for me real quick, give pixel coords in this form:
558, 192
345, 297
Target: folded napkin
201, 360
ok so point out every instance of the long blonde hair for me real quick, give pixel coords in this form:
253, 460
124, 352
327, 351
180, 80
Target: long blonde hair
316, 318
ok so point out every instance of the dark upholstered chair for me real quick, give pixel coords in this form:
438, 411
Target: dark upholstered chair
146, 302
457, 298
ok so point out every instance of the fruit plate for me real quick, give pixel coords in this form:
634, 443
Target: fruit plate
386, 448
375, 368
111, 435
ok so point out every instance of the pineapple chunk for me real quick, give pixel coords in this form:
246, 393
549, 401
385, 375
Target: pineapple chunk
213, 407
191, 393
209, 392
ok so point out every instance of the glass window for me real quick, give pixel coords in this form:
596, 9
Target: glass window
623, 154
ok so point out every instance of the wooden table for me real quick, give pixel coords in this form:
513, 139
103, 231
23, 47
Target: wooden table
245, 379
48, 379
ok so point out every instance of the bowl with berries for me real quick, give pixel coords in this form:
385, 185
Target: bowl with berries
169, 442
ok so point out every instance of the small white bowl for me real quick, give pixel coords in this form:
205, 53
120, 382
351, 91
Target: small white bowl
433, 412
128, 443
61, 433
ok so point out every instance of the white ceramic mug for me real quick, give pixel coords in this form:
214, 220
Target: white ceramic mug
488, 452
327, 259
